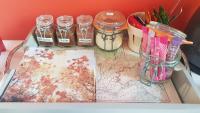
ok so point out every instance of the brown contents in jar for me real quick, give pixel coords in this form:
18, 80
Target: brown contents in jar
45, 31
65, 31
85, 31
46, 40
85, 38
66, 38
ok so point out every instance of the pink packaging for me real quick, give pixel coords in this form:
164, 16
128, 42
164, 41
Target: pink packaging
155, 48
162, 56
152, 46
151, 34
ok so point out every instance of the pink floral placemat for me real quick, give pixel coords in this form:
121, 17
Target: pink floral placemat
81, 75
46, 75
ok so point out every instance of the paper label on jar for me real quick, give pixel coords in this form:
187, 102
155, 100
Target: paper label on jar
64, 40
85, 40
41, 39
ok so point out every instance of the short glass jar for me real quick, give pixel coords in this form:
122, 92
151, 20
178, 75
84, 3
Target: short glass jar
45, 30
85, 31
65, 31
109, 26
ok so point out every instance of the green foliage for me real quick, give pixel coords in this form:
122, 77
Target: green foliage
161, 15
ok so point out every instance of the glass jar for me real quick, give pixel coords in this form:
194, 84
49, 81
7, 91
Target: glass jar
150, 67
109, 29
85, 31
45, 30
65, 31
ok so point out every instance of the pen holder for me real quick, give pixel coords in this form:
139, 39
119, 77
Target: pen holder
154, 70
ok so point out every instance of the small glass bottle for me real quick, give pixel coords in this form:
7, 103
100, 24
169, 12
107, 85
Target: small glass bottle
65, 31
85, 30
45, 30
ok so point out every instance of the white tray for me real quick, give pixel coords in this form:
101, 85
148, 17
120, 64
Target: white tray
181, 82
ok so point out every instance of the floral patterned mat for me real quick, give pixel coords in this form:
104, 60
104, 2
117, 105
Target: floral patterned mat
118, 80
46, 75
81, 75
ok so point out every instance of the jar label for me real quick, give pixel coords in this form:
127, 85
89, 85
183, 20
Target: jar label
64, 40
85, 40
42, 39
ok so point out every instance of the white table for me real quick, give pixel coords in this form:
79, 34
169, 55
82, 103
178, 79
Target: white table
196, 79
9, 44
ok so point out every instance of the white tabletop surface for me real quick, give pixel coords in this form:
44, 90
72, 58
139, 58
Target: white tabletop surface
9, 44
196, 79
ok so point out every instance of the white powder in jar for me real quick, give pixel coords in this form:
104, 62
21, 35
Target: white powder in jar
108, 44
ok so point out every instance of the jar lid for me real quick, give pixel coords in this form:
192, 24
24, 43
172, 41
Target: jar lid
110, 20
84, 20
44, 20
162, 29
65, 21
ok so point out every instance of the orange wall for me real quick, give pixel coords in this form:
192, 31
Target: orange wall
17, 17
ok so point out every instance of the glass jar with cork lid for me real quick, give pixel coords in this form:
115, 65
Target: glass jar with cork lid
109, 26
45, 30
65, 31
85, 31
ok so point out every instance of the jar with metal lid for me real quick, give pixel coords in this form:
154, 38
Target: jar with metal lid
45, 30
85, 31
109, 29
65, 31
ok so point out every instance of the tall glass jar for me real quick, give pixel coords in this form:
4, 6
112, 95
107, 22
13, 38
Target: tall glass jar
45, 30
65, 31
85, 30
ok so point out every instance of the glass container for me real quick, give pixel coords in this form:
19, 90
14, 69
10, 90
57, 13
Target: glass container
45, 30
150, 67
109, 29
65, 31
85, 31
